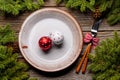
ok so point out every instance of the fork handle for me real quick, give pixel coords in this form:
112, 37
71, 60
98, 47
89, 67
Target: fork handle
96, 24
95, 27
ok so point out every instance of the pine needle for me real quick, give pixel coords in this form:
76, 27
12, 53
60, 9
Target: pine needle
105, 61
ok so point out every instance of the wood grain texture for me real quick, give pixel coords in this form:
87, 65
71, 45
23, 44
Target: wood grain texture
85, 20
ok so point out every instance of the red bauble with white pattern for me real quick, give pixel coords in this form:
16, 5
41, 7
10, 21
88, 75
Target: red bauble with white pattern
45, 43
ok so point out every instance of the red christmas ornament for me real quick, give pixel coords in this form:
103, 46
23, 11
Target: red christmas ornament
45, 43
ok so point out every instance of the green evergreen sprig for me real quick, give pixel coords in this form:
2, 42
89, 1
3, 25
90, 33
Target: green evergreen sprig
14, 7
105, 60
83, 5
110, 7
114, 15
10, 67
6, 35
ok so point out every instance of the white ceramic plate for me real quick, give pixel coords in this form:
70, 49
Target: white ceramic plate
39, 24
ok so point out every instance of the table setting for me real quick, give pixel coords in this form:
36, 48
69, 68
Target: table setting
59, 40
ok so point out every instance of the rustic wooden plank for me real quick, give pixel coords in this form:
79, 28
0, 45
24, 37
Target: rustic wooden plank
104, 34
70, 75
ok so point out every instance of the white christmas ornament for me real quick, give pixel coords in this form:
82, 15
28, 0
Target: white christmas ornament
57, 37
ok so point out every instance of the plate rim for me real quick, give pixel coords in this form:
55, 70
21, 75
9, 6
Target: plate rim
66, 14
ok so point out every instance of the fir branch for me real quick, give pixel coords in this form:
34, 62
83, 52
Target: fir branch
41, 2
6, 35
58, 1
32, 78
14, 7
10, 67
104, 4
82, 4
105, 61
114, 16
110, 7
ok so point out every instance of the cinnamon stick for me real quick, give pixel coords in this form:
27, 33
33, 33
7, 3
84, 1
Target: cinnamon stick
82, 60
85, 65
86, 60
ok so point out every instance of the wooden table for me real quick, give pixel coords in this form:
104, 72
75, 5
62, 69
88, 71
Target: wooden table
85, 21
